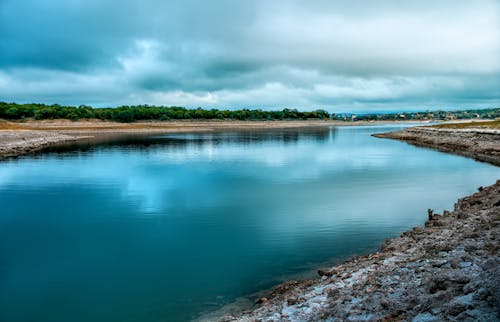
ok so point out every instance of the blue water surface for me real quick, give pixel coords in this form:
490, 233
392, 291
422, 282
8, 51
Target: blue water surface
164, 228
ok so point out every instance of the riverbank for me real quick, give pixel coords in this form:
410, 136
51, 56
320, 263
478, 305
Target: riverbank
19, 138
467, 139
447, 270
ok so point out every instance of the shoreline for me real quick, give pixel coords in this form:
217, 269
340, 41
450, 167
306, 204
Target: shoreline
447, 270
413, 276
22, 138
476, 143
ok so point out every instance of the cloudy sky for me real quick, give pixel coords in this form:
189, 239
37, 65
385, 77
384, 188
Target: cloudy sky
336, 55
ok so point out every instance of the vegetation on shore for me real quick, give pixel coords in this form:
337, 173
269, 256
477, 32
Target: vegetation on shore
14, 111
495, 125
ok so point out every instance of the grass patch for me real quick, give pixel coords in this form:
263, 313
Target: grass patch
476, 124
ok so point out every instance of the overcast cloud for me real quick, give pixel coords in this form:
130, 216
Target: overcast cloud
336, 55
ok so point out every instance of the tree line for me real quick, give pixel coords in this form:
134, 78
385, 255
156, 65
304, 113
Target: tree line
14, 111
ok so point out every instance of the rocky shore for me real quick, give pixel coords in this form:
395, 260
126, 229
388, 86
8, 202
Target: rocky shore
15, 143
477, 143
447, 270
19, 138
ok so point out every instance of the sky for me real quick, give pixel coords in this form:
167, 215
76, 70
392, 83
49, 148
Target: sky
342, 56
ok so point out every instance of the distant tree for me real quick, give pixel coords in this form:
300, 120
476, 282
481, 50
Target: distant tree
14, 111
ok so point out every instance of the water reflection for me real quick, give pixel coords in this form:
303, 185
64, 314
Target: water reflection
163, 228
245, 138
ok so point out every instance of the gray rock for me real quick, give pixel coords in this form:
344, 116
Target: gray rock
465, 264
465, 299
426, 317
455, 308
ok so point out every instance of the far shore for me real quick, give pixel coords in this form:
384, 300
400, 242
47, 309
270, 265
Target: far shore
25, 137
205, 125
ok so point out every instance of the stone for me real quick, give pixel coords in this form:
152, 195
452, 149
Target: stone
426, 317
465, 264
455, 308
262, 300
430, 212
439, 263
465, 300
325, 272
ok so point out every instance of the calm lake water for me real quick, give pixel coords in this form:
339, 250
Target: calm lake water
166, 227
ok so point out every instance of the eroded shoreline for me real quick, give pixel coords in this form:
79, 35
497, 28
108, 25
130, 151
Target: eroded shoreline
476, 143
21, 138
447, 270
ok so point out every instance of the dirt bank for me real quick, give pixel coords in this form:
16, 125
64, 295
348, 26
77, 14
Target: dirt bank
482, 144
447, 270
18, 138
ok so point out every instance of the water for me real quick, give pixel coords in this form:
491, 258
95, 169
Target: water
166, 227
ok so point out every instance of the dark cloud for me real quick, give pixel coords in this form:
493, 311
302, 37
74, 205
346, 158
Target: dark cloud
66, 35
347, 54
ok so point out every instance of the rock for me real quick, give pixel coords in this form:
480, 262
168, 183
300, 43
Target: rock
455, 308
417, 230
481, 295
471, 287
460, 278
429, 214
464, 264
439, 263
262, 300
465, 300
437, 283
455, 262
325, 272
426, 317
436, 217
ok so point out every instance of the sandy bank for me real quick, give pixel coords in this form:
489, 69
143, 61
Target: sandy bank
18, 138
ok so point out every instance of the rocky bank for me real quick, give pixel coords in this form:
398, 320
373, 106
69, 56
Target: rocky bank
448, 270
19, 142
20, 138
476, 143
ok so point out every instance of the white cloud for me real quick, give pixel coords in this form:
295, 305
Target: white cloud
347, 55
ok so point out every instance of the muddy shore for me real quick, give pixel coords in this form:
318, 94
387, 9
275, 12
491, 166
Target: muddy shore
20, 138
447, 270
477, 143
